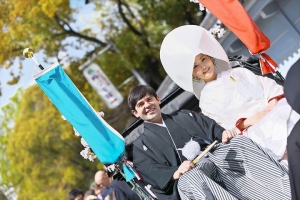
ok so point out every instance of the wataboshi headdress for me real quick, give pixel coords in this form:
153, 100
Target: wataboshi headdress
179, 49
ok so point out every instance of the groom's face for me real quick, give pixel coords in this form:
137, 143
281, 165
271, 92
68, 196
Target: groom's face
148, 109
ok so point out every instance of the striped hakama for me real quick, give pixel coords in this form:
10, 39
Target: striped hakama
240, 169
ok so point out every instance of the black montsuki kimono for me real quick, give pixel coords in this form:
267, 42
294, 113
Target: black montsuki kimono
154, 154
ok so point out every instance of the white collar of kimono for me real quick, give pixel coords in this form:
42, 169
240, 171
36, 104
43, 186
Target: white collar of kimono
158, 124
179, 49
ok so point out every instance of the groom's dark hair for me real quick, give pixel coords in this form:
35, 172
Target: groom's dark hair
138, 93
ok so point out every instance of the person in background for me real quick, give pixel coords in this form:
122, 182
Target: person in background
90, 195
111, 189
97, 191
76, 194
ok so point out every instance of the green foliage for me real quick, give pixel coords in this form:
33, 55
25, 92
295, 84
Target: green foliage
29, 23
44, 151
10, 112
136, 26
140, 38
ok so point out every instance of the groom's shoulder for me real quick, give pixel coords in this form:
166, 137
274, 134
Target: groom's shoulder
183, 113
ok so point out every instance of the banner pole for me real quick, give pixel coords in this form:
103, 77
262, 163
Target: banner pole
106, 48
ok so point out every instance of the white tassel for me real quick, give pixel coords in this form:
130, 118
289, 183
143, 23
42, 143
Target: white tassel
191, 150
100, 114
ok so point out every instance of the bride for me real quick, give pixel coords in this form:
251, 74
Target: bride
235, 98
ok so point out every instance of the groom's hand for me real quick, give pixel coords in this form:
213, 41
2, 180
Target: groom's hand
183, 168
228, 135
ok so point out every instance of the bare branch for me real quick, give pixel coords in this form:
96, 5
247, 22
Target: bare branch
62, 23
141, 33
133, 16
130, 26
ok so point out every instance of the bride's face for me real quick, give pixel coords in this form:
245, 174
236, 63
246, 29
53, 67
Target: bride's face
204, 68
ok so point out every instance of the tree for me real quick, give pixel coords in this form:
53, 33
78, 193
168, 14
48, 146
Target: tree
147, 22
44, 151
2, 196
10, 113
136, 26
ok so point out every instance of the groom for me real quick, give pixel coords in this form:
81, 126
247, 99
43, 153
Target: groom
239, 169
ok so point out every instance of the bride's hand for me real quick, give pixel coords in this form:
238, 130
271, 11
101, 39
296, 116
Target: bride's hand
255, 118
271, 105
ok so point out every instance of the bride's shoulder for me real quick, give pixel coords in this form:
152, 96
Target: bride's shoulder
225, 73
240, 70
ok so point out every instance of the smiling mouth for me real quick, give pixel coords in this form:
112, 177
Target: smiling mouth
206, 70
150, 110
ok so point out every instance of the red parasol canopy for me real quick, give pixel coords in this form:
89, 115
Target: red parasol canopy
232, 14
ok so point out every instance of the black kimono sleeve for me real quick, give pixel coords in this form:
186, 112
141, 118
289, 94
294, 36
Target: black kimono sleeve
209, 127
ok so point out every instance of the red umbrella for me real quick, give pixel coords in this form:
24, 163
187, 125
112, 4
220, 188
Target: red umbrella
244, 28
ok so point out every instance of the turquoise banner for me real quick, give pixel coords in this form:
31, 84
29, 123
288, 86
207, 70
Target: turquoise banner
106, 142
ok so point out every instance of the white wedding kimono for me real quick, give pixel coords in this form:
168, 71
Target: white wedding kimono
238, 93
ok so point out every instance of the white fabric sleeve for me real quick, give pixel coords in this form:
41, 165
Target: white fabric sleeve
270, 88
213, 110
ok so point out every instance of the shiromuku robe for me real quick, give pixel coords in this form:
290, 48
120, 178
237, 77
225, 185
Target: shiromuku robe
238, 94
